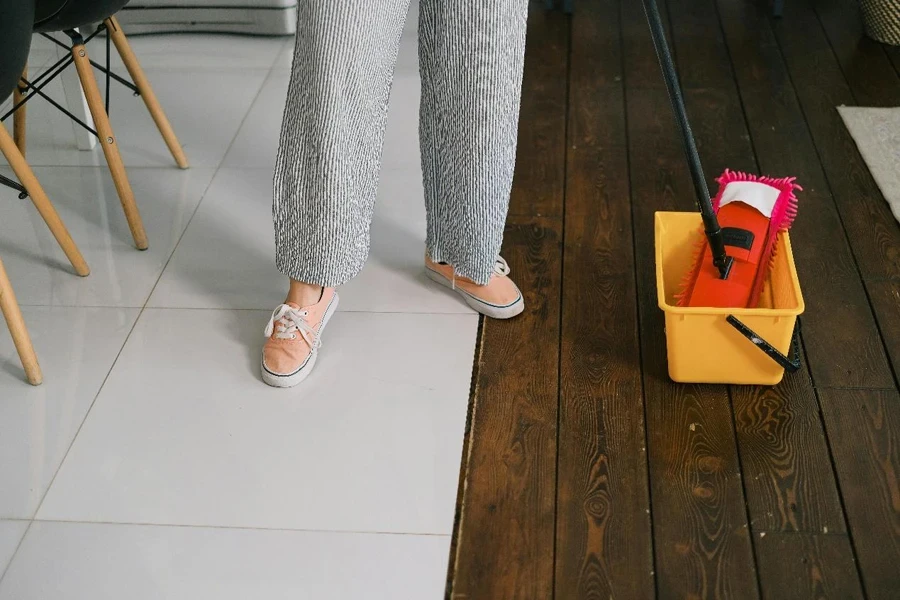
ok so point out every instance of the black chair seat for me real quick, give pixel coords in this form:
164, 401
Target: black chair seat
44, 10
60, 15
16, 17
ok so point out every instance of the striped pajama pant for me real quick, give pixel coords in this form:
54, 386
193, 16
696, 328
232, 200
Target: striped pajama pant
326, 175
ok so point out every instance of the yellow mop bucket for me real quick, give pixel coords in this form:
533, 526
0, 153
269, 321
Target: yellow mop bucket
718, 345
725, 345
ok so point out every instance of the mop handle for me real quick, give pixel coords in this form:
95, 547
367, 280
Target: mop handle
710, 222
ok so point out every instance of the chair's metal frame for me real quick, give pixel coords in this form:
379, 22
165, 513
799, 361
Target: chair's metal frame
37, 86
77, 54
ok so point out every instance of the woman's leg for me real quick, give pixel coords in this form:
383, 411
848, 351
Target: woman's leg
471, 55
326, 173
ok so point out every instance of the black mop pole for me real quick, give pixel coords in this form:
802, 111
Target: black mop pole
704, 203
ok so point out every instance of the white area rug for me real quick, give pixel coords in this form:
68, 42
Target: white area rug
876, 132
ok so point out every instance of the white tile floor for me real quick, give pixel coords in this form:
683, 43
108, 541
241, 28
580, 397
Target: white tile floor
153, 463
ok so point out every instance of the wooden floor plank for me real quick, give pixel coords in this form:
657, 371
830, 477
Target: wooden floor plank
893, 53
821, 86
542, 133
788, 481
521, 536
701, 535
640, 66
874, 232
865, 64
505, 543
702, 546
699, 46
885, 297
806, 565
864, 431
504, 546
786, 465
840, 333
604, 545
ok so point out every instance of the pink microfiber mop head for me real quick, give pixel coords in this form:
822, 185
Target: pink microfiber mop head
751, 211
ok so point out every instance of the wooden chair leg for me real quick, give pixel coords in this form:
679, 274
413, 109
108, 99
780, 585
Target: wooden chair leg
76, 102
19, 116
26, 176
22, 341
109, 144
140, 80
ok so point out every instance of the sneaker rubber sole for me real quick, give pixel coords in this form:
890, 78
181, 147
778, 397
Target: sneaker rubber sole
487, 309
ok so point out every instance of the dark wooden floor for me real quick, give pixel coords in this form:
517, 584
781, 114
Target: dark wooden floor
587, 473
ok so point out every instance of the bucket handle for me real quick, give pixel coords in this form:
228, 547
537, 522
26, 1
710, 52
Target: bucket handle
789, 365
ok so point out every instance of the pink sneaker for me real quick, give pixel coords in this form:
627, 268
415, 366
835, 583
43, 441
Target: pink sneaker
499, 299
295, 335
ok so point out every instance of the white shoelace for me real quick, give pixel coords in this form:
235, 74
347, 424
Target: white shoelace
287, 322
501, 269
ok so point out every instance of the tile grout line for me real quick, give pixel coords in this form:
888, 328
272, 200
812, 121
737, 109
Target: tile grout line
140, 311
246, 528
80, 425
245, 309
183, 70
216, 170
209, 527
18, 546
30, 521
